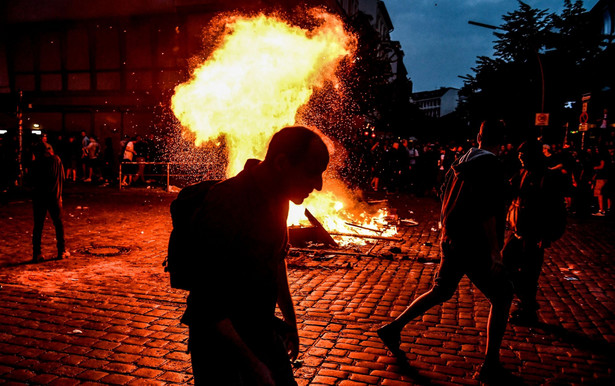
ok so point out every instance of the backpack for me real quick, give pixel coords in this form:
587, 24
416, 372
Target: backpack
181, 250
546, 220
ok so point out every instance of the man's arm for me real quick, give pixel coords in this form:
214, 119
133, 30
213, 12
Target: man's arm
261, 372
285, 302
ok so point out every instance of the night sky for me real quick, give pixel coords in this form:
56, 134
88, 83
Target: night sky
438, 42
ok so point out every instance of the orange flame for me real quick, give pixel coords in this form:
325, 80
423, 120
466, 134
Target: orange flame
254, 83
336, 207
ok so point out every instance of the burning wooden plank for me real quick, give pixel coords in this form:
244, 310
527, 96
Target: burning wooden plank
320, 230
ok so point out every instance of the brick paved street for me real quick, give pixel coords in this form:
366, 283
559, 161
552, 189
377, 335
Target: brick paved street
107, 314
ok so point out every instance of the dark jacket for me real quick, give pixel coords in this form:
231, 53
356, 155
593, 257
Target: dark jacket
47, 177
538, 211
475, 189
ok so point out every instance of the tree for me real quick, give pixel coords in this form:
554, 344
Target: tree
541, 60
525, 34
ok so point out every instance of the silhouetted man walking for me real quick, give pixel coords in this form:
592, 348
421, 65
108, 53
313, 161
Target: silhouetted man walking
234, 335
473, 219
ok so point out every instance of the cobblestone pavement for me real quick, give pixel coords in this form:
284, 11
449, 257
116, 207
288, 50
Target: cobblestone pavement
107, 314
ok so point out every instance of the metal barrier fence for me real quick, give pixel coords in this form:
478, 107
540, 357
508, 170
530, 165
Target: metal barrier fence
167, 175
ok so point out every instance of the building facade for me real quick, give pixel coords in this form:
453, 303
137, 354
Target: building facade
382, 24
437, 103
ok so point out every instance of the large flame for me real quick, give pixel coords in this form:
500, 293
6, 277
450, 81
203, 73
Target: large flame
263, 71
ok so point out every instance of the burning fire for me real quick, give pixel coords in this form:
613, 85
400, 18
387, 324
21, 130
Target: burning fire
263, 71
336, 208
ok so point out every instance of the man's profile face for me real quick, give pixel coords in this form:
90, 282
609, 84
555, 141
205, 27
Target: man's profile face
306, 176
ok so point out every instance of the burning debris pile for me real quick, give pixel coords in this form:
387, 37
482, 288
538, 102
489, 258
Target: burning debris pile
260, 76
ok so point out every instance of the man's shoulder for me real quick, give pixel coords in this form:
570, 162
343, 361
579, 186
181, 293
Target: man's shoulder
228, 194
488, 162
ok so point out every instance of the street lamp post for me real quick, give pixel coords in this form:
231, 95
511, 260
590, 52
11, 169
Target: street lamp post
20, 139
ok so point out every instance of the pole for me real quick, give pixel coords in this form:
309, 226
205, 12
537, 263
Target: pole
493, 27
565, 134
20, 140
168, 176
542, 83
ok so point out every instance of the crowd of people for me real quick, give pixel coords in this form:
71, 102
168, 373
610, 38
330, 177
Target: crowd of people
375, 164
411, 166
85, 158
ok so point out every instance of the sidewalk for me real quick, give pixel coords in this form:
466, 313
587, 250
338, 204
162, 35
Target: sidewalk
107, 314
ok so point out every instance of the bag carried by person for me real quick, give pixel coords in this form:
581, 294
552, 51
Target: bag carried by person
542, 214
182, 247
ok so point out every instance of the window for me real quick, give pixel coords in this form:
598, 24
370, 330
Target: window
50, 54
107, 50
77, 50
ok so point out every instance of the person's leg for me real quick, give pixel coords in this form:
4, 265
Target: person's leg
498, 289
512, 254
444, 287
90, 170
533, 257
598, 193
438, 294
39, 211
124, 170
496, 327
55, 212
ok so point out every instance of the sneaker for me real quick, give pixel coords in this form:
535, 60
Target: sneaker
87, 180
599, 214
63, 255
391, 339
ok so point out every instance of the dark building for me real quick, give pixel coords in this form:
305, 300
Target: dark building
107, 67
604, 13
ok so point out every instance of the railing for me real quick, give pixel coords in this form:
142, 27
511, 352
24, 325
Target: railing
168, 173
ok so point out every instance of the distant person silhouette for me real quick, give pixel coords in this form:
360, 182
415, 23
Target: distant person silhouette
241, 271
47, 179
473, 215
537, 217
